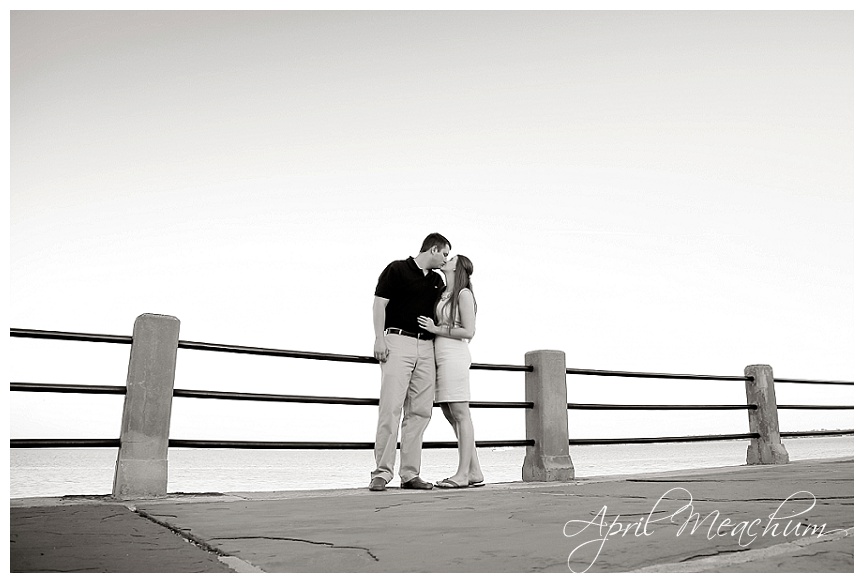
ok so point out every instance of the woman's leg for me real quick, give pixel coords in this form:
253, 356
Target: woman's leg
445, 408
464, 428
475, 474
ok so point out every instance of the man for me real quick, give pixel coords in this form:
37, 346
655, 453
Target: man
407, 289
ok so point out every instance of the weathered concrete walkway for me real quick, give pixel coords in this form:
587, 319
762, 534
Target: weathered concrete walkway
791, 518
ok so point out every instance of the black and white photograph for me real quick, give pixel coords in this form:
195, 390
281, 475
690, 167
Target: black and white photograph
428, 288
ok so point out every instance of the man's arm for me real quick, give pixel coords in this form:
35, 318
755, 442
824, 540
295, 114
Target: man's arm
379, 311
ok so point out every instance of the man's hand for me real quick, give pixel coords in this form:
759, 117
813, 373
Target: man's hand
379, 320
381, 350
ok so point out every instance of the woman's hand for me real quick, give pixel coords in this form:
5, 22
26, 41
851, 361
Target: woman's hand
427, 324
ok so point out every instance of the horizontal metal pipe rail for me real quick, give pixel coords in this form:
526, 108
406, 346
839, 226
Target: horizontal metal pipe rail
206, 346
635, 440
812, 382
191, 443
599, 407
77, 336
693, 377
202, 444
63, 388
654, 375
225, 395
59, 443
221, 444
824, 432
687, 438
329, 400
321, 355
323, 445
816, 407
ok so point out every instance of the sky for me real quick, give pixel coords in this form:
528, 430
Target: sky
653, 191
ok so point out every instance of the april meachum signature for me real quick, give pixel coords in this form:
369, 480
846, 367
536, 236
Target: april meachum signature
746, 531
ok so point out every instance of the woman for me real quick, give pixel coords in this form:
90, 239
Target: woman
455, 314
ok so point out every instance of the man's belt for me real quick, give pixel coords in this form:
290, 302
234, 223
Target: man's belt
418, 335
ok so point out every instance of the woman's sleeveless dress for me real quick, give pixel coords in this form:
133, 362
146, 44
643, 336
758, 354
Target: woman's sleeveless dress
452, 360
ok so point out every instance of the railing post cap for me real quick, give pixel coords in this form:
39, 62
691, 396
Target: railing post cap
544, 352
149, 315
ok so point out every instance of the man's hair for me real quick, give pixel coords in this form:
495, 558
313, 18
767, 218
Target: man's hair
434, 240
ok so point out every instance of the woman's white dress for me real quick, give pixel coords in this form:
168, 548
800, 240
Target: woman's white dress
452, 360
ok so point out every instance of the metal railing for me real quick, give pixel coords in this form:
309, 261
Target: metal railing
693, 377
240, 396
330, 400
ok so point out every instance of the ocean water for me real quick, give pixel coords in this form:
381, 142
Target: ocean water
59, 472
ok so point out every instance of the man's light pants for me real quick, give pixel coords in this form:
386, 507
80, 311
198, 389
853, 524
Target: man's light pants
407, 391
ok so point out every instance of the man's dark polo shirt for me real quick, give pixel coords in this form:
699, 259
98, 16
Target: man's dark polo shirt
411, 294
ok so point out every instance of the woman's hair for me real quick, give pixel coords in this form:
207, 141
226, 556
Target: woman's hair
461, 280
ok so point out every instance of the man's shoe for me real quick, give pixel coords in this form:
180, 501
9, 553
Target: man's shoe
416, 484
378, 484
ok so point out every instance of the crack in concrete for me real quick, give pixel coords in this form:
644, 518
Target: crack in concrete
302, 540
551, 566
730, 500
715, 554
702, 481
606, 496
112, 516
184, 534
678, 481
236, 564
380, 508
710, 561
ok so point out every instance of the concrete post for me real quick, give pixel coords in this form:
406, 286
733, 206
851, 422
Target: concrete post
142, 462
548, 460
767, 449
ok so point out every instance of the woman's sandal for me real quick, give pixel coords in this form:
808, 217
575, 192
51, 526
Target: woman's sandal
450, 484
